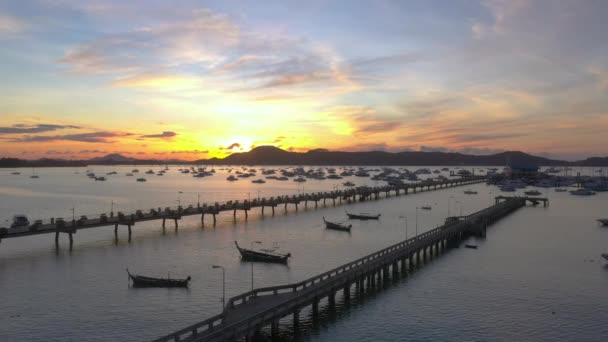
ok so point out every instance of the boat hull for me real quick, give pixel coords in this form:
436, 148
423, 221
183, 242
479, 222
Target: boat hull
141, 281
362, 216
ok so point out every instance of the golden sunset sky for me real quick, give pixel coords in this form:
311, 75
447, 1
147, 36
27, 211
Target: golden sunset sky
201, 79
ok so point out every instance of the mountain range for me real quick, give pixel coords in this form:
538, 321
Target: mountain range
270, 155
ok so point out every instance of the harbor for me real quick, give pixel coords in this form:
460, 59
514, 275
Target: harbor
459, 281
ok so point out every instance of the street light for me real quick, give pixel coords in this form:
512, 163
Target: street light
223, 284
405, 217
417, 221
252, 242
449, 204
112, 209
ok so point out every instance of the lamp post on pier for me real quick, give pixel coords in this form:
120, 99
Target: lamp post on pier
112, 208
252, 242
417, 221
223, 284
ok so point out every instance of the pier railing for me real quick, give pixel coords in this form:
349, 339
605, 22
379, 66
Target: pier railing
331, 279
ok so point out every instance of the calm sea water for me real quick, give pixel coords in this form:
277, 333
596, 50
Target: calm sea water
538, 276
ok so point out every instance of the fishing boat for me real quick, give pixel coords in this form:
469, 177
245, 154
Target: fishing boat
426, 207
337, 226
603, 221
532, 192
470, 192
582, 192
561, 190
362, 216
141, 281
264, 255
141, 179
470, 246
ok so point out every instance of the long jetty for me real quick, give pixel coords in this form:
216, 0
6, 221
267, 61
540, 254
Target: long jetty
247, 314
175, 214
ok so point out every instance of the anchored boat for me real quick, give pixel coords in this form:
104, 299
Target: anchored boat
141, 281
362, 216
264, 255
337, 226
603, 221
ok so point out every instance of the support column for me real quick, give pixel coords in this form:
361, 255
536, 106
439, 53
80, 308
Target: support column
296, 322
71, 238
347, 292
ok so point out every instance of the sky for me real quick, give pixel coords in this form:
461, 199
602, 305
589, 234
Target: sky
201, 79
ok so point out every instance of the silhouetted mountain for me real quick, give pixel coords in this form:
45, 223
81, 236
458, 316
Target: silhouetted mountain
112, 158
270, 155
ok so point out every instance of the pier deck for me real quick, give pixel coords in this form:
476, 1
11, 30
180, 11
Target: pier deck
176, 213
246, 314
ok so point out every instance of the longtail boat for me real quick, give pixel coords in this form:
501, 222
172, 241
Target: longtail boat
362, 216
264, 255
141, 281
337, 226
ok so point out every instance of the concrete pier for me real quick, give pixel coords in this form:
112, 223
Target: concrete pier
246, 313
176, 214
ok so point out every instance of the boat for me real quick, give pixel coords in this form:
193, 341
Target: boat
231, 178
141, 281
362, 216
337, 226
561, 190
20, 221
470, 192
264, 255
426, 207
348, 184
15, 173
470, 246
141, 179
258, 181
532, 192
582, 192
605, 256
603, 221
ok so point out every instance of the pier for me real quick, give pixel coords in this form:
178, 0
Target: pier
60, 226
246, 314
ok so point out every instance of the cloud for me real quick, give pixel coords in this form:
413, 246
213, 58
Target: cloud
163, 135
10, 24
38, 128
165, 82
232, 146
94, 137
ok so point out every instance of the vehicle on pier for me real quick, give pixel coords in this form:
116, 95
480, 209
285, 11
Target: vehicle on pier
20, 224
337, 226
264, 255
362, 216
141, 281
603, 221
